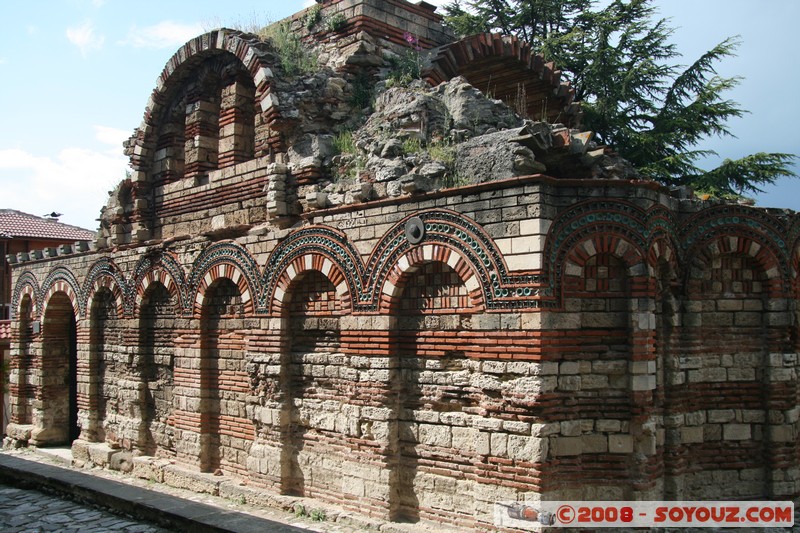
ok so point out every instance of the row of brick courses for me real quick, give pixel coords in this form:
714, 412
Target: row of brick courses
583, 357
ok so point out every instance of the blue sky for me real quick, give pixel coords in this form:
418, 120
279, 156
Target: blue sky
76, 75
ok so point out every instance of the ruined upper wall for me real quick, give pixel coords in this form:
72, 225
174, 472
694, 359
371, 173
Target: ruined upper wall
228, 105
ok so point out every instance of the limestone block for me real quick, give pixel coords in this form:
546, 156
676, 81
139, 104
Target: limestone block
181, 478
571, 428
569, 383
100, 453
594, 443
641, 383
523, 448
488, 424
607, 426
691, 435
20, 432
695, 418
782, 433
594, 381
569, 367
707, 374
435, 435
464, 439
716, 416
147, 467
736, 431
620, 444
563, 446
80, 450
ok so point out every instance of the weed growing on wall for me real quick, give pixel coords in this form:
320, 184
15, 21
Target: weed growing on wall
362, 92
411, 145
347, 163
344, 143
336, 23
313, 16
406, 66
295, 58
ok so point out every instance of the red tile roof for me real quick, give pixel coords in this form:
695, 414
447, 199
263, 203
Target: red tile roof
14, 224
5, 330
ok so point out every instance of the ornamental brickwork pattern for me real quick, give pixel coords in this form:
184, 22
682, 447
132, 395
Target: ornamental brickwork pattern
244, 328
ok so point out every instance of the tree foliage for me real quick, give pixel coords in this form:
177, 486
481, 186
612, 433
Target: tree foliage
620, 61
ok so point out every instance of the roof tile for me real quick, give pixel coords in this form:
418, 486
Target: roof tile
14, 224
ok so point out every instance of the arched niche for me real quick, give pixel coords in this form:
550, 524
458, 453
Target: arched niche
55, 420
311, 367
104, 369
430, 378
156, 369
226, 432
21, 387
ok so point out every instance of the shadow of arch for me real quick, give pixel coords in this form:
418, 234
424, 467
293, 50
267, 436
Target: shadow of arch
156, 369
102, 393
429, 375
58, 420
21, 388
225, 430
312, 307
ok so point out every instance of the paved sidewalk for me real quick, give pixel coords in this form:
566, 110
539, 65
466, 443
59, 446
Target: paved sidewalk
30, 510
173, 513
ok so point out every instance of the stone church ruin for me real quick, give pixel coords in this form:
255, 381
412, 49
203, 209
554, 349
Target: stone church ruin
406, 297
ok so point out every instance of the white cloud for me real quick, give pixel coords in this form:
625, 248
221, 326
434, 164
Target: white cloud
3, 60
112, 136
74, 182
165, 34
84, 37
98, 3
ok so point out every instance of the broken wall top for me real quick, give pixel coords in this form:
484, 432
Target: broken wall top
226, 99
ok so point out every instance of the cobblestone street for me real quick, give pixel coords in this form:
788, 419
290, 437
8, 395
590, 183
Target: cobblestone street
30, 510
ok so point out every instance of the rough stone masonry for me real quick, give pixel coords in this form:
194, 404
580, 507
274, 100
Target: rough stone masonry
407, 298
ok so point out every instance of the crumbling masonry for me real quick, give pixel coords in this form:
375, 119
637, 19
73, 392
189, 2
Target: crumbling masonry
461, 306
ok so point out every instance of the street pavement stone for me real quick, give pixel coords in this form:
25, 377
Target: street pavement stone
23, 510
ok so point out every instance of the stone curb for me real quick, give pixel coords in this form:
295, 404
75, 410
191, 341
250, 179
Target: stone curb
160, 509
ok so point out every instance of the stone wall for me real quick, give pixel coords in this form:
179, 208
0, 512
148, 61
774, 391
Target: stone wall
640, 358
415, 351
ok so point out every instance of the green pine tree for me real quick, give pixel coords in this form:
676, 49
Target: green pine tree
620, 61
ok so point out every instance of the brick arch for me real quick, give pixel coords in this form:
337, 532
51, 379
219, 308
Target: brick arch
223, 260
105, 274
447, 232
161, 267
156, 275
754, 232
63, 280
309, 262
605, 223
501, 64
26, 285
313, 245
409, 263
663, 251
246, 50
630, 254
224, 271
704, 252
106, 283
